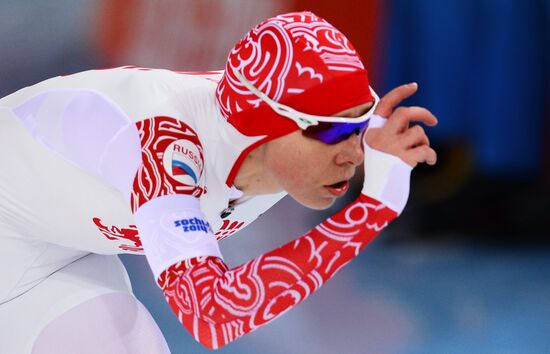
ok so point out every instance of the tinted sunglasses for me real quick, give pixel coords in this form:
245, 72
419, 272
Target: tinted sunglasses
328, 129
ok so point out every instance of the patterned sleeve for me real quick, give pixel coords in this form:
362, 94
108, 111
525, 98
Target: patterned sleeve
218, 305
165, 194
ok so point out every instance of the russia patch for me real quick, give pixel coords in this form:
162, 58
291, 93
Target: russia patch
172, 158
182, 161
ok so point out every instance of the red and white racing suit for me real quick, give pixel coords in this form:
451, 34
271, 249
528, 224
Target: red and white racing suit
136, 160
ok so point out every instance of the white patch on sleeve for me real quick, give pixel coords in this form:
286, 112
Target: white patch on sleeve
387, 179
376, 121
173, 228
88, 129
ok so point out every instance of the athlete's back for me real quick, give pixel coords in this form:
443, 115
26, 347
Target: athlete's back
73, 145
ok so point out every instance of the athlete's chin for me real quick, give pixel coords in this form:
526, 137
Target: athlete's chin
318, 203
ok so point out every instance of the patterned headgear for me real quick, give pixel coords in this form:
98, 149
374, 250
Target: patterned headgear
297, 59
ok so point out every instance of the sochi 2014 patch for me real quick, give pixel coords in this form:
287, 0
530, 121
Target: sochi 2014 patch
173, 160
192, 224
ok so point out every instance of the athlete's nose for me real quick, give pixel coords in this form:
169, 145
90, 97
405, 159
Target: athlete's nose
352, 151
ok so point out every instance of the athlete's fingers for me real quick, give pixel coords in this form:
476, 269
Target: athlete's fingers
393, 98
402, 116
420, 154
414, 136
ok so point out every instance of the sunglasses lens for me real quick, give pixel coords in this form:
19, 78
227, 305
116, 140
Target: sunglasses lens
333, 133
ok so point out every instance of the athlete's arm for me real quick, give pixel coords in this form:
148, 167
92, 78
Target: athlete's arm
218, 305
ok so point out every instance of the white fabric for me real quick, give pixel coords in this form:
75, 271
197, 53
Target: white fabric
47, 206
173, 228
387, 179
114, 323
23, 318
86, 128
376, 121
235, 193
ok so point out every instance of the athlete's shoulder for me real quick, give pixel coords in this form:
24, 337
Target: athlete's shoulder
132, 79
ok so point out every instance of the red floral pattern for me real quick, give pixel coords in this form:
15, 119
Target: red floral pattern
218, 305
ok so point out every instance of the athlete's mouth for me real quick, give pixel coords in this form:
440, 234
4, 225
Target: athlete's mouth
337, 184
338, 189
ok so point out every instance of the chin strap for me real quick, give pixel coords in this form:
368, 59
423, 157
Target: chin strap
218, 305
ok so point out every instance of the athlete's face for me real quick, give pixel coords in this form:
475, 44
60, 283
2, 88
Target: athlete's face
312, 172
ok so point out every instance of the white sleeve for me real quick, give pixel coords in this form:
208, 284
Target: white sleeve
173, 228
387, 177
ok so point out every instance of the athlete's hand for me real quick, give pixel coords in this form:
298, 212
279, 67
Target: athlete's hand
397, 137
